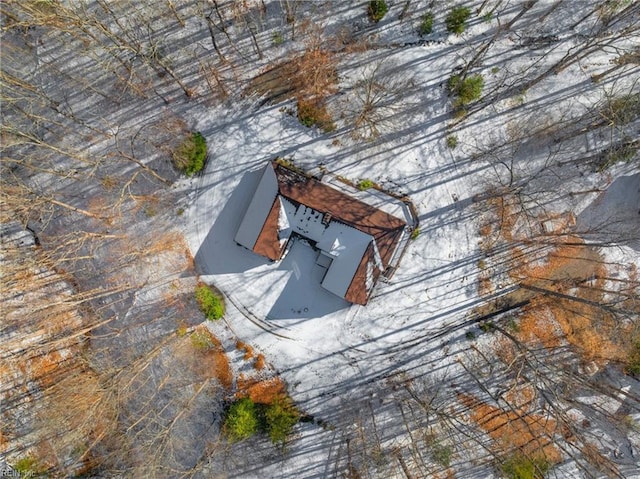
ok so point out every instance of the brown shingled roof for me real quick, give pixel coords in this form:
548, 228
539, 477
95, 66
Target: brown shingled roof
383, 227
268, 243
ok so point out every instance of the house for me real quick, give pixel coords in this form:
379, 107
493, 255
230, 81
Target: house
356, 242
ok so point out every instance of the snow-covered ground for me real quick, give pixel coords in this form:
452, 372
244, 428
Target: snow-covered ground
107, 91
418, 322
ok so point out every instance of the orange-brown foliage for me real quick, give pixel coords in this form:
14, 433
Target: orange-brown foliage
485, 229
260, 362
248, 353
504, 350
521, 397
248, 350
590, 329
581, 322
537, 323
314, 73
3, 442
562, 268
530, 433
262, 392
504, 206
43, 367
216, 360
565, 261
485, 286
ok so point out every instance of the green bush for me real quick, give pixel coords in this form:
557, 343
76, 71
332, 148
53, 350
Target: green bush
426, 25
365, 184
441, 454
456, 20
377, 10
28, 467
191, 155
281, 416
465, 89
245, 418
201, 340
452, 141
519, 466
633, 359
415, 233
210, 303
277, 38
311, 112
242, 420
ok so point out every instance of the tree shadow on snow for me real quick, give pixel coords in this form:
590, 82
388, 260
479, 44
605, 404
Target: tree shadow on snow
614, 217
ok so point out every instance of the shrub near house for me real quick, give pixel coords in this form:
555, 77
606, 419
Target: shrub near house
210, 303
242, 420
191, 155
245, 418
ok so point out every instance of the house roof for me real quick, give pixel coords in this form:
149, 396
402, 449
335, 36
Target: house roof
359, 238
258, 209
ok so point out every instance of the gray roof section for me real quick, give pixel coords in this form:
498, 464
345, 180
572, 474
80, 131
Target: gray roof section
348, 245
343, 244
258, 209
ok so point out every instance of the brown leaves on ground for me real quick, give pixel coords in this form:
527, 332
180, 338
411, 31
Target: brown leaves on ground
574, 262
531, 434
212, 360
248, 350
564, 280
260, 363
577, 272
311, 74
44, 368
261, 391
249, 354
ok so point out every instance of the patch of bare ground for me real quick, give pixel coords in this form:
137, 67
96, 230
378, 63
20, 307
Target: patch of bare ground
210, 359
261, 391
563, 281
569, 310
248, 350
569, 303
529, 433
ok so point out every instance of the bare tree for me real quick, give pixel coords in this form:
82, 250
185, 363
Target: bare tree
377, 100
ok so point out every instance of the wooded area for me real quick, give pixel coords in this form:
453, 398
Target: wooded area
509, 338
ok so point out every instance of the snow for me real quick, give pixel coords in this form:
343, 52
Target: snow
432, 287
258, 209
303, 295
616, 212
329, 351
